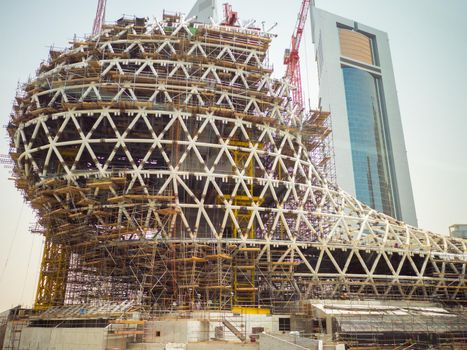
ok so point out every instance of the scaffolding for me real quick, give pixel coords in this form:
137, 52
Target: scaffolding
168, 168
53, 275
391, 325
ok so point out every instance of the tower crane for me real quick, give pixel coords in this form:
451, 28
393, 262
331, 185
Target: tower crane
100, 17
292, 56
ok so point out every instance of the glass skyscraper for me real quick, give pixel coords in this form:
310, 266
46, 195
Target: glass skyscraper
357, 86
367, 141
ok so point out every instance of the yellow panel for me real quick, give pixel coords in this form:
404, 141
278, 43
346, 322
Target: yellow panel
251, 310
355, 45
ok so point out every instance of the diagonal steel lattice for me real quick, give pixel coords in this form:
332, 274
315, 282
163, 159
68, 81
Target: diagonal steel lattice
168, 167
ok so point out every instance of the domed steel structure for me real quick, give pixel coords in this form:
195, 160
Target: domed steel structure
168, 167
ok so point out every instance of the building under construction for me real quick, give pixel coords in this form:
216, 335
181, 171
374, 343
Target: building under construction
172, 174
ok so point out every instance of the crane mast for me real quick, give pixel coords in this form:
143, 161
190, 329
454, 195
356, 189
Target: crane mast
292, 56
100, 16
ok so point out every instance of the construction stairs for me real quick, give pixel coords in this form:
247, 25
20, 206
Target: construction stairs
233, 329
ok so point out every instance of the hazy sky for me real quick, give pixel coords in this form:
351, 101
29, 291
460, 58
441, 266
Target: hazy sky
429, 53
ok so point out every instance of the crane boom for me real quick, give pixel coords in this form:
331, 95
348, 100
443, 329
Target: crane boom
100, 16
292, 56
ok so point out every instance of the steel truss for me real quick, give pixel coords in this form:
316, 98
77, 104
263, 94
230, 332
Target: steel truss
136, 145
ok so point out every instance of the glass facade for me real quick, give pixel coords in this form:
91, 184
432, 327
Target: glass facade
458, 231
367, 138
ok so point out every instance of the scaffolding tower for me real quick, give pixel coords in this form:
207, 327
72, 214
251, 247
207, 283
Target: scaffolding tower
170, 169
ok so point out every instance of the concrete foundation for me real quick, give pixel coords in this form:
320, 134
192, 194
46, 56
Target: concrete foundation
222, 346
62, 339
287, 342
212, 345
202, 331
176, 331
323, 325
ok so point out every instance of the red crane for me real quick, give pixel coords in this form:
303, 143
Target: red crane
230, 16
100, 16
292, 56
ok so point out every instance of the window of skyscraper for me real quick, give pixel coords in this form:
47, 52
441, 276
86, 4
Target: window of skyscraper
369, 150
